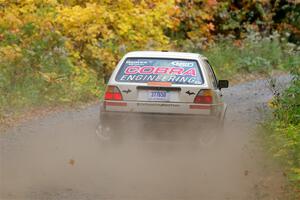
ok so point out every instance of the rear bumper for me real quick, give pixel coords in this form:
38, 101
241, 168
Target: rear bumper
134, 120
160, 117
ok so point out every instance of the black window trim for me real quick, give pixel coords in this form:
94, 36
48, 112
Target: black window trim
214, 74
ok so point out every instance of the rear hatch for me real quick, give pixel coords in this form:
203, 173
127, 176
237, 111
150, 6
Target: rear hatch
160, 79
151, 84
160, 94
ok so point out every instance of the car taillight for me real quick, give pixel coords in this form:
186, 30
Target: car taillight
113, 93
204, 97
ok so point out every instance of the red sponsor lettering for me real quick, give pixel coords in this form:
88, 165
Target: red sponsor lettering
132, 70
160, 70
176, 71
147, 70
191, 72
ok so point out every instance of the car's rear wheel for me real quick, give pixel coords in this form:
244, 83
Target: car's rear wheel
212, 134
104, 133
109, 134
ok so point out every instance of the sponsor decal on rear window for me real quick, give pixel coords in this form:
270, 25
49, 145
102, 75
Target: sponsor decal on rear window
144, 70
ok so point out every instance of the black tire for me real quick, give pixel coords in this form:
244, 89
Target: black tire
103, 133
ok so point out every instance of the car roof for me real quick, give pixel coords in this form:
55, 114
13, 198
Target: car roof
164, 54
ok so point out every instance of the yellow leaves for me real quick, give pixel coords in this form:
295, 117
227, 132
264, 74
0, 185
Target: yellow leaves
272, 104
175, 10
29, 7
10, 53
98, 29
140, 24
94, 32
51, 2
205, 16
296, 171
195, 19
10, 20
17, 14
81, 76
52, 77
123, 28
83, 23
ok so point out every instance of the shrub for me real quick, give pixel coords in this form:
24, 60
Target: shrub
282, 131
254, 54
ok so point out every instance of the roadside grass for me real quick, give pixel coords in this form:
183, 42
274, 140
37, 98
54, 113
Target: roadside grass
41, 73
30, 100
281, 132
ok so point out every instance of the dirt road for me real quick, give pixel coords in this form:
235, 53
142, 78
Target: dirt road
60, 157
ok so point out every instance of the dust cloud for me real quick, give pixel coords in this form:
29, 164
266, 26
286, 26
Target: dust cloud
67, 160
62, 157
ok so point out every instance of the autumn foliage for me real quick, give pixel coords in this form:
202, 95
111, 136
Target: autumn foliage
60, 50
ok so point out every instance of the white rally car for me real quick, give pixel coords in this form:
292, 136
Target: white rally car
161, 87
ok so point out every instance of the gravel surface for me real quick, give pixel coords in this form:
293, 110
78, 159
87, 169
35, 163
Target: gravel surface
61, 157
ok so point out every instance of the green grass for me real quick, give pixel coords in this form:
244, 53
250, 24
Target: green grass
231, 58
41, 74
282, 132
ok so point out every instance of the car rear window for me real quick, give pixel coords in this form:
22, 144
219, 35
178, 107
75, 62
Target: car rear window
144, 70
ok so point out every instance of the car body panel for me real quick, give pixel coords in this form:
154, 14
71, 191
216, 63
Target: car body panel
180, 96
156, 107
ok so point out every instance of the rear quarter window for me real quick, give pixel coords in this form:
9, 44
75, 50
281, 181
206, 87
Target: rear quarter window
144, 70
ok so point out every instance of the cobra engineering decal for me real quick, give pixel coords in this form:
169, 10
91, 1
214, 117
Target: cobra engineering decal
156, 70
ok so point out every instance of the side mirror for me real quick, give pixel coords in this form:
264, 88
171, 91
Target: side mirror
223, 84
106, 78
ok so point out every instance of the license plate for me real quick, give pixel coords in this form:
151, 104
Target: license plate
158, 95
